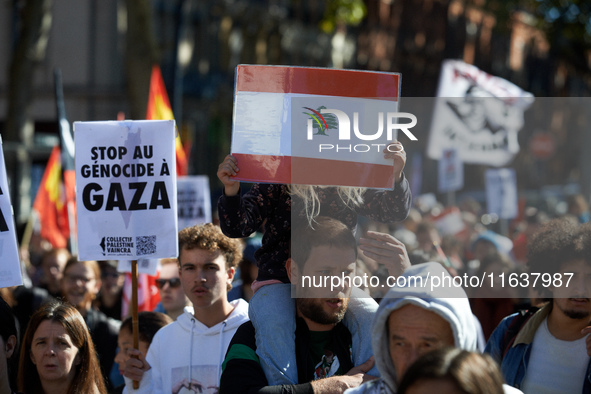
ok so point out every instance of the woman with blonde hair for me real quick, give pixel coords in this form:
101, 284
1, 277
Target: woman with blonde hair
58, 355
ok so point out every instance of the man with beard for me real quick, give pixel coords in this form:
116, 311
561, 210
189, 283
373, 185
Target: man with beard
323, 344
546, 352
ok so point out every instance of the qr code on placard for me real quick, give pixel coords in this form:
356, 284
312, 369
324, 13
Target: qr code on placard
145, 244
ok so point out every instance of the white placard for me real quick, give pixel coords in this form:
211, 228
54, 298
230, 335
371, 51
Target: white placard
194, 202
451, 171
126, 190
144, 266
501, 192
10, 267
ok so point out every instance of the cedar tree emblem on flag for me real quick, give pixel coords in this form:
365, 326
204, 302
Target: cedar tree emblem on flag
322, 122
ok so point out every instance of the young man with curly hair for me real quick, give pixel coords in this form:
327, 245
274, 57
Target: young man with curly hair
545, 351
189, 352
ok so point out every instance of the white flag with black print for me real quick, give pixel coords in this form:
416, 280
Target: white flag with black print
477, 114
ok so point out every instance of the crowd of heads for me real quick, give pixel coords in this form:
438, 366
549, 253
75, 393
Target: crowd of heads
57, 347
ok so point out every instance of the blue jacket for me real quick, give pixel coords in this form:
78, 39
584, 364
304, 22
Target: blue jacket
514, 363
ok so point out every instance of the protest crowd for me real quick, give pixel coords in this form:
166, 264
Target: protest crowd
295, 219
323, 275
234, 314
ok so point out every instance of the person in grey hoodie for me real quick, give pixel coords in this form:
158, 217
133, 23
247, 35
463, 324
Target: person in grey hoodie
419, 309
425, 311
188, 353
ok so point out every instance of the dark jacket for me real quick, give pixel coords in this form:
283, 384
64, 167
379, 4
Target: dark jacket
514, 362
242, 372
28, 300
104, 332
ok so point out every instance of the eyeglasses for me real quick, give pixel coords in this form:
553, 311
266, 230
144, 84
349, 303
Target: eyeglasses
172, 282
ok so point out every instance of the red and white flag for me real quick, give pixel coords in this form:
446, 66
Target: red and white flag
147, 293
315, 126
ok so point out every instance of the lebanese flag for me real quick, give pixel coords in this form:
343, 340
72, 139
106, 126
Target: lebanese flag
281, 134
159, 109
50, 203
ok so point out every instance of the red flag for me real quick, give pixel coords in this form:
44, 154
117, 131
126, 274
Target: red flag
67, 160
159, 109
50, 203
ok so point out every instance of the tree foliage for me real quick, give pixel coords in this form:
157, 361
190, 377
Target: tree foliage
347, 12
566, 25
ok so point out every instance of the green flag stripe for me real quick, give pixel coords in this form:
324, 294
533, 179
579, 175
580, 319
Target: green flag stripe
241, 352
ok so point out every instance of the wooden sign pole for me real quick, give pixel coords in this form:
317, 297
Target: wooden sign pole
134, 312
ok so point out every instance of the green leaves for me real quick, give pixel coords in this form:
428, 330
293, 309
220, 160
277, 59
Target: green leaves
347, 12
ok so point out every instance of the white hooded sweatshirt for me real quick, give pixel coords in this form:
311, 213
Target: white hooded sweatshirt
188, 351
